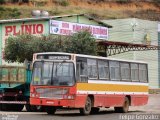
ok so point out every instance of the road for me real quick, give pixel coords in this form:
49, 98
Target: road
151, 111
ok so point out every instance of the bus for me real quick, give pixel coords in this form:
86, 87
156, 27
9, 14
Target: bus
85, 82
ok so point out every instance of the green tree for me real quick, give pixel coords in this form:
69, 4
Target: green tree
23, 47
81, 42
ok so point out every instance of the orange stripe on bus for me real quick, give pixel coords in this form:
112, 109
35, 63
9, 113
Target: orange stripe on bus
111, 87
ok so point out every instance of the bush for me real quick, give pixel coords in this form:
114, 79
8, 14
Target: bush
62, 2
2, 1
9, 13
123, 1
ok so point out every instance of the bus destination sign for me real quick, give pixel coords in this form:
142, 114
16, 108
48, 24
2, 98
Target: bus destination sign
58, 57
54, 57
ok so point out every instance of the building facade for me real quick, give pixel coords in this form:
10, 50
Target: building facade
38, 26
138, 31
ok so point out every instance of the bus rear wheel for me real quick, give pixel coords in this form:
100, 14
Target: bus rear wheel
87, 109
124, 108
34, 108
50, 110
95, 110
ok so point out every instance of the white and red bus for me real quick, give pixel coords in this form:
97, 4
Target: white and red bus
65, 80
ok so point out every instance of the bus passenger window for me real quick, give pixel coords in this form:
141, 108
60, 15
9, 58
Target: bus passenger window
92, 68
142, 73
103, 69
134, 72
114, 70
125, 71
81, 72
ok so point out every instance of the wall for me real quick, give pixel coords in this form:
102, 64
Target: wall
13, 28
159, 53
78, 19
134, 30
17, 28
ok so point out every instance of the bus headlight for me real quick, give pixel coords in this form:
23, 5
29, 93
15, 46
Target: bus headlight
34, 95
68, 96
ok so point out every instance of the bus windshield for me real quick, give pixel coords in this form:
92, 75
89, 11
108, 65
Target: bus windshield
53, 73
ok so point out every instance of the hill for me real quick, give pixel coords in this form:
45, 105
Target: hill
101, 9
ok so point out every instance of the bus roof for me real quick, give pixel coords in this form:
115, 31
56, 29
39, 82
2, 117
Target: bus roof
90, 56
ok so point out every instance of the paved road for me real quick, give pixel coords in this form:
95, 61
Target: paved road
151, 111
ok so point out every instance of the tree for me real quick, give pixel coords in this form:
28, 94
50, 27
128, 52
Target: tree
23, 47
81, 42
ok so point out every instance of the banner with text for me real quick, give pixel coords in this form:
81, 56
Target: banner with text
68, 28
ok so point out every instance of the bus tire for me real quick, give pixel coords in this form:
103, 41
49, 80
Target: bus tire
30, 108
50, 110
124, 108
94, 110
87, 109
17, 107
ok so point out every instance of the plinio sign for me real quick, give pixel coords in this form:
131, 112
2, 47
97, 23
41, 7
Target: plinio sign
68, 28
24, 29
19, 28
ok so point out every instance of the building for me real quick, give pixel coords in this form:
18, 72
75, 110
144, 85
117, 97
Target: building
46, 25
138, 31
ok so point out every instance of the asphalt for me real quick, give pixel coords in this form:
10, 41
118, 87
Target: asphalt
151, 111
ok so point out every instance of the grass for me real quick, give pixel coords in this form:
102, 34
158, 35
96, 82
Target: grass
101, 10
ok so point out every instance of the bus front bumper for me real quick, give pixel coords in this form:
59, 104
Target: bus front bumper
53, 102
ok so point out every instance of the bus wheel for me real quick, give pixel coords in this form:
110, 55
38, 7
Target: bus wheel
50, 110
94, 110
17, 107
124, 108
30, 108
87, 109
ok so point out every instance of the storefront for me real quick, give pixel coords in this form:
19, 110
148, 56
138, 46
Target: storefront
62, 25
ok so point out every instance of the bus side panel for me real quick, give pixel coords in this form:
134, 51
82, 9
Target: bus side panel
108, 100
99, 100
80, 100
137, 100
114, 100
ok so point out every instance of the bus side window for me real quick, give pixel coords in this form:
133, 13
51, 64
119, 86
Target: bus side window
114, 70
134, 72
103, 69
81, 72
92, 68
125, 71
143, 73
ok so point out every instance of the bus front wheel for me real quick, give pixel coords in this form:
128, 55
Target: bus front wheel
87, 109
50, 110
124, 108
